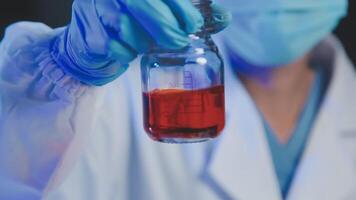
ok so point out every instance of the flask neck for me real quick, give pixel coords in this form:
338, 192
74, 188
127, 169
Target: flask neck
204, 6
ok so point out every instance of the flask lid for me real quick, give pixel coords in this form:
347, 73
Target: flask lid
199, 2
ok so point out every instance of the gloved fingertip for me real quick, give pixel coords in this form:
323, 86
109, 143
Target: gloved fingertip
196, 23
174, 43
221, 18
199, 25
200, 20
221, 14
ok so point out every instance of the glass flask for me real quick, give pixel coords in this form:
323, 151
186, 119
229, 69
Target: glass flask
183, 90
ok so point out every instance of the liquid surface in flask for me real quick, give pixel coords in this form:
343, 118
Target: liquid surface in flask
189, 115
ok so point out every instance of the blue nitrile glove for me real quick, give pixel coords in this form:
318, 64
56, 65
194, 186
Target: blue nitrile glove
105, 35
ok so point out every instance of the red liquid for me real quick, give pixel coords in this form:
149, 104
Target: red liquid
174, 115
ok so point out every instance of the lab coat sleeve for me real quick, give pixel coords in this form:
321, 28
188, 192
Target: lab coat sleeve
45, 115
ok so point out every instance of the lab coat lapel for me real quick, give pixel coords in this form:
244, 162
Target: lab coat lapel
241, 165
328, 170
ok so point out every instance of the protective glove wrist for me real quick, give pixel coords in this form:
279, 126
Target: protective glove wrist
88, 68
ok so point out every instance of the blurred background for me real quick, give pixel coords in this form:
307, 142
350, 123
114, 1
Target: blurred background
57, 13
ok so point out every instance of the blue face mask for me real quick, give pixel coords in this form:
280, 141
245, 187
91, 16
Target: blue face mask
272, 33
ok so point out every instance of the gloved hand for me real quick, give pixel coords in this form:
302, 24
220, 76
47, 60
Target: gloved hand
105, 35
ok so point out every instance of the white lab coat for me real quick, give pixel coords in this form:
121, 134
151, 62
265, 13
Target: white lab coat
92, 145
